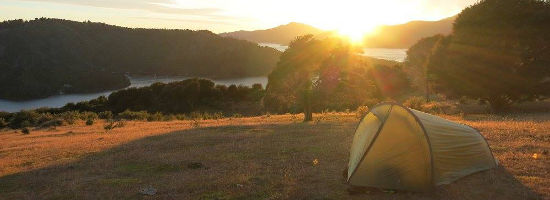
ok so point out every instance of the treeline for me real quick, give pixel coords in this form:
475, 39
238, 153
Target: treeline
191, 98
44, 57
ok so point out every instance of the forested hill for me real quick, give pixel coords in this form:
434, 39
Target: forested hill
43, 57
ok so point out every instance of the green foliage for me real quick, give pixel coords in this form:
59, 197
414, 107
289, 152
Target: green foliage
51, 123
314, 75
499, 52
114, 124
23, 119
89, 122
3, 123
90, 57
191, 95
155, 117
132, 115
415, 102
417, 61
106, 115
70, 116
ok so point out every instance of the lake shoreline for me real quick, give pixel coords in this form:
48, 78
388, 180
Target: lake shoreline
55, 101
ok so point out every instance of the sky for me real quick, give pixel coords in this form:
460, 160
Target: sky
232, 15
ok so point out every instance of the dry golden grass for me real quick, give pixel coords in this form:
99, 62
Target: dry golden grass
268, 157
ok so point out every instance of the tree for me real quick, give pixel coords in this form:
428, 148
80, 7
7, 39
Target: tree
310, 71
418, 57
499, 52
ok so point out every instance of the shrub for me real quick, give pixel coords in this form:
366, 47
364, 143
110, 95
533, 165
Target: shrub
106, 115
415, 102
23, 119
44, 117
155, 117
88, 116
3, 123
70, 116
25, 131
361, 111
54, 123
114, 124
132, 115
89, 122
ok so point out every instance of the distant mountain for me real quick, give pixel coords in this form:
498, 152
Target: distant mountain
43, 57
283, 34
390, 36
406, 35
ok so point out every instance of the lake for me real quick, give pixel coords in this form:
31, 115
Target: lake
61, 100
398, 55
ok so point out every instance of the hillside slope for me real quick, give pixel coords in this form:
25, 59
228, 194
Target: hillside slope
267, 157
43, 57
390, 36
406, 35
279, 35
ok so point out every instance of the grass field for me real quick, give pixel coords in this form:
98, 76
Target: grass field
267, 157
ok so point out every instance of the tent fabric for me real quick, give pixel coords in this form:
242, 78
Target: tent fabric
395, 147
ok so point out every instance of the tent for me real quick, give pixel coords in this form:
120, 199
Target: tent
395, 147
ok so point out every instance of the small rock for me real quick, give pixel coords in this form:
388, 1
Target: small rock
149, 190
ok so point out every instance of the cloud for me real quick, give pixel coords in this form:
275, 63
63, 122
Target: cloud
158, 6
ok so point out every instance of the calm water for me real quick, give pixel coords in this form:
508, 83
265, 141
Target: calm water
61, 100
398, 55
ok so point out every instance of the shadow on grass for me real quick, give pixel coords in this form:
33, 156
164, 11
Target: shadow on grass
232, 162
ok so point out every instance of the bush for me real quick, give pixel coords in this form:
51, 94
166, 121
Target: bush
70, 116
361, 112
132, 115
114, 124
155, 117
3, 123
54, 123
88, 116
23, 119
415, 102
25, 131
89, 122
106, 115
25, 124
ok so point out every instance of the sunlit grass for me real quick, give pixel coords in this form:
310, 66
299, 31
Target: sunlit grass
270, 156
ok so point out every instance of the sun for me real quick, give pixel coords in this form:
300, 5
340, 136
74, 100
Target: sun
355, 34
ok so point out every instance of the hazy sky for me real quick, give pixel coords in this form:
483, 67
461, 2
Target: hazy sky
232, 15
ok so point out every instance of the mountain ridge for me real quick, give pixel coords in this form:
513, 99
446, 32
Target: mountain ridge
387, 36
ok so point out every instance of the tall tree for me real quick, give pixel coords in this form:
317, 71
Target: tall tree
315, 74
499, 51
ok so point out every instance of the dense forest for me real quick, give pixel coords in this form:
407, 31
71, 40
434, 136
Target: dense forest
44, 56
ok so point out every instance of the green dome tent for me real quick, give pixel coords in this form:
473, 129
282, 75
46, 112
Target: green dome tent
404, 149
